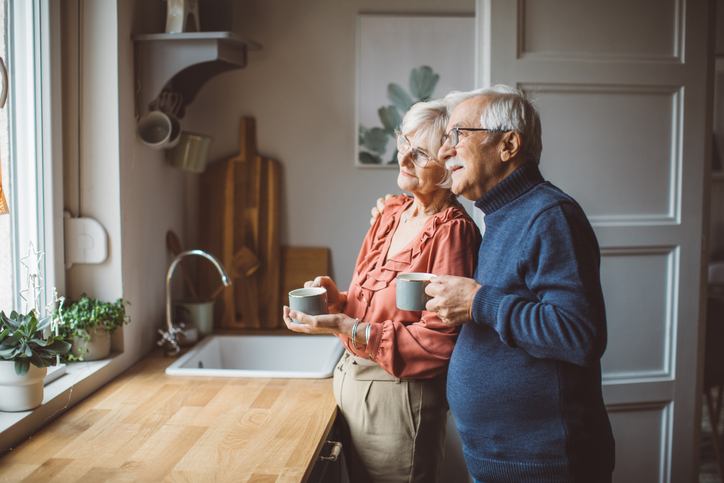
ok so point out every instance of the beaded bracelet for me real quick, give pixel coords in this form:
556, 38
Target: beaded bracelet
354, 334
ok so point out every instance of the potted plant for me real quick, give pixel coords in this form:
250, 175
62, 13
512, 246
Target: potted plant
89, 324
25, 355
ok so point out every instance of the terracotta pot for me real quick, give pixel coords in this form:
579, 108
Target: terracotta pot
20, 393
98, 347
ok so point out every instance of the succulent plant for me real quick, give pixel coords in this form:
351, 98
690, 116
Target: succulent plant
374, 140
22, 341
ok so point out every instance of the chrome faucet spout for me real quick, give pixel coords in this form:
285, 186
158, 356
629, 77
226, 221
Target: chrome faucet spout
168, 337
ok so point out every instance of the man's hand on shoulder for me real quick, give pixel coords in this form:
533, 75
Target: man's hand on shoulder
380, 208
452, 298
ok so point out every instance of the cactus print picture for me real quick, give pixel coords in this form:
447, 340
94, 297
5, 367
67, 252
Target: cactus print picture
400, 61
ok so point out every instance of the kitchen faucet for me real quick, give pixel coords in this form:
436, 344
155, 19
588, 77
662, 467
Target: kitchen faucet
168, 337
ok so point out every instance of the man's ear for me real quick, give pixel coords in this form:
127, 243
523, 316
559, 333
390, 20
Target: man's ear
510, 145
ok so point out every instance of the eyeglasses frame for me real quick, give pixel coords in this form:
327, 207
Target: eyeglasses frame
457, 133
414, 151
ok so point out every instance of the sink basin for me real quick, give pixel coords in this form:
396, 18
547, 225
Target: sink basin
276, 356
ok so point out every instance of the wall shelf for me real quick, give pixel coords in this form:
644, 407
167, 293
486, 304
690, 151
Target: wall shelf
182, 63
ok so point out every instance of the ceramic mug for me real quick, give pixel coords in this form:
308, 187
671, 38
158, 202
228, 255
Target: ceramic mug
191, 152
410, 291
311, 301
159, 130
199, 315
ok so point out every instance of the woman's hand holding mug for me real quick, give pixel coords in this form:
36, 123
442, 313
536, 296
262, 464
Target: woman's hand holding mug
335, 300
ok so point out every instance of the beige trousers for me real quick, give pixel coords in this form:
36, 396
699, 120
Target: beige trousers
393, 430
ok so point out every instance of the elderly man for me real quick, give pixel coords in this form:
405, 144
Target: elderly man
524, 381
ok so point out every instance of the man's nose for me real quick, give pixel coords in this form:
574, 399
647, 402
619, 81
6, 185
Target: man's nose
446, 151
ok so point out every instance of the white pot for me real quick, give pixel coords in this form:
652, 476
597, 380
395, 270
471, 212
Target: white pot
20, 393
98, 347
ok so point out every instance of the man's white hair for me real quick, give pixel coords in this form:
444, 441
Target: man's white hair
508, 109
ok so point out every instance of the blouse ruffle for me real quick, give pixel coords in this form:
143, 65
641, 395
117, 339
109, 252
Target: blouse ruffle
373, 274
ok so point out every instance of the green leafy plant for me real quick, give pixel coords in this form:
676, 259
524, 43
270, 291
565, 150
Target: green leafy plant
88, 314
22, 341
374, 141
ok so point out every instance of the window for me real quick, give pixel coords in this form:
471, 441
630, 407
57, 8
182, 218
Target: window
7, 280
26, 150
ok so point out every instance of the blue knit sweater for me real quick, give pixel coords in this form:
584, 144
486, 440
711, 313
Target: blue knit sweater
524, 381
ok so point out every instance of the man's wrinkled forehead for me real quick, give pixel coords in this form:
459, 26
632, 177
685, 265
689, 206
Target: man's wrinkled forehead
468, 112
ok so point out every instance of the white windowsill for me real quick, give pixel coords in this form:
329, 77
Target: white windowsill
59, 395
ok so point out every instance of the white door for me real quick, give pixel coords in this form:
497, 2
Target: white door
622, 90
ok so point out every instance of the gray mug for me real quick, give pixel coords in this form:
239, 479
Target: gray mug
311, 301
410, 290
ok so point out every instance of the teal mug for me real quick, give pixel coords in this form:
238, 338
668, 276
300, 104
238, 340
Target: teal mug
410, 292
311, 301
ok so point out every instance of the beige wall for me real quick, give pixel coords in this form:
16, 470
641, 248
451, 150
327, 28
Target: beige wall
300, 89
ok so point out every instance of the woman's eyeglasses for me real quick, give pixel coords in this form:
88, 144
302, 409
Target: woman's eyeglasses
419, 157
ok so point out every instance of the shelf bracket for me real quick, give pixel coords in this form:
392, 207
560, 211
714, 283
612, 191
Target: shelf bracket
182, 63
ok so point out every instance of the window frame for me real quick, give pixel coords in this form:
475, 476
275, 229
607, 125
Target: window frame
36, 135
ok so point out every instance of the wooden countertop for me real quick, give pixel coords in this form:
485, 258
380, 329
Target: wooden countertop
147, 426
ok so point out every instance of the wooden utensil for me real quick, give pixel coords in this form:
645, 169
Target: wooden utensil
244, 264
174, 245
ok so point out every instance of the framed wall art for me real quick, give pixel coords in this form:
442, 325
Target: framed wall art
402, 60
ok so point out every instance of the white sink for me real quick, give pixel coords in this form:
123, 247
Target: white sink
279, 356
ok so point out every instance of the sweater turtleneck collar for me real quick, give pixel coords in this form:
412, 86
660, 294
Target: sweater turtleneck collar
512, 187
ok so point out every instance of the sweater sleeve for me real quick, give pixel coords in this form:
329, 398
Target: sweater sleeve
564, 317
422, 349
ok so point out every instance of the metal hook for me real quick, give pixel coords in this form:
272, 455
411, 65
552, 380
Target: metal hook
4, 93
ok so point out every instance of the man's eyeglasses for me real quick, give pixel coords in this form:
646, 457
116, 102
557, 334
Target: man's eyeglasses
419, 157
454, 134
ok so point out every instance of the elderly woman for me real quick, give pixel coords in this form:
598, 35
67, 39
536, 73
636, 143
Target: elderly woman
390, 383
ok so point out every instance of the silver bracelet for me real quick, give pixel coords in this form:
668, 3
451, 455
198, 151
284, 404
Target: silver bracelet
354, 334
367, 333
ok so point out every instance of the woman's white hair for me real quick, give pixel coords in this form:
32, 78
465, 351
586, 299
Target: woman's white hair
508, 109
426, 122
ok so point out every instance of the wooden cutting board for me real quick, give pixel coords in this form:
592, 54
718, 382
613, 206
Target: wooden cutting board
240, 209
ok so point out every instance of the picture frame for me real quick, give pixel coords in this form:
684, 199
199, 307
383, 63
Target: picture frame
402, 60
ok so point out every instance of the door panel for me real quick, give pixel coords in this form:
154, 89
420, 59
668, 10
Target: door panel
585, 148
629, 422
615, 29
622, 88
639, 306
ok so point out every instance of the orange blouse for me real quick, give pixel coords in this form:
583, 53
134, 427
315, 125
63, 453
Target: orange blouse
409, 345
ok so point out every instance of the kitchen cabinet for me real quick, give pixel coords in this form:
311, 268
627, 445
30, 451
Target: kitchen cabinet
330, 469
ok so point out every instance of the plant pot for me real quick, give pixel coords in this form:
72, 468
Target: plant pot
98, 347
20, 393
